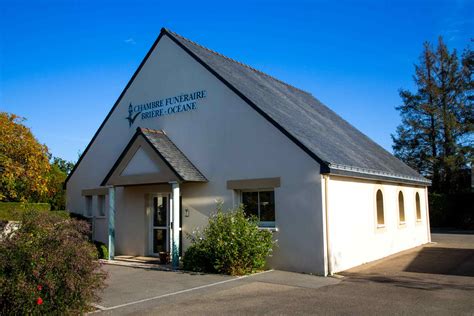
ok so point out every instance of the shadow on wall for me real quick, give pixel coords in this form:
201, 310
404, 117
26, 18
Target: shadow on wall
446, 261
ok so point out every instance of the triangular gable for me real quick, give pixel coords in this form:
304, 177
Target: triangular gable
140, 164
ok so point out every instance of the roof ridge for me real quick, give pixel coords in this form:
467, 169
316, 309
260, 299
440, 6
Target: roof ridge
235, 61
146, 129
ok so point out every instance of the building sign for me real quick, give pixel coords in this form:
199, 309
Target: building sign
173, 105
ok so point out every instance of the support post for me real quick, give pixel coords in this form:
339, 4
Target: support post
111, 221
175, 228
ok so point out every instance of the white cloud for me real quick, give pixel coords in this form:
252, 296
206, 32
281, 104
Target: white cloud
130, 41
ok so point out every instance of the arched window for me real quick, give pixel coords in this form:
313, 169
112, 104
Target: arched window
401, 208
418, 206
380, 214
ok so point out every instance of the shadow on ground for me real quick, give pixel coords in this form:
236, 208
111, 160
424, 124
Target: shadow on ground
409, 282
447, 261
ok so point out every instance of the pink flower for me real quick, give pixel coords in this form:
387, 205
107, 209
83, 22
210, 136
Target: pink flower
39, 287
39, 301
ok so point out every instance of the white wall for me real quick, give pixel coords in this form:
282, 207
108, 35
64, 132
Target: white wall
354, 237
226, 140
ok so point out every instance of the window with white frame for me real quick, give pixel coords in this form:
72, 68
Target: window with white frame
261, 204
88, 205
101, 205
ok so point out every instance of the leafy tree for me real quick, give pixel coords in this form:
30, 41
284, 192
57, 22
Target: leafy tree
435, 136
63, 165
24, 164
56, 196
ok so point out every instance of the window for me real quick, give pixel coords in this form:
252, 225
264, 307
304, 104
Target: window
380, 214
401, 208
101, 205
260, 204
88, 205
418, 207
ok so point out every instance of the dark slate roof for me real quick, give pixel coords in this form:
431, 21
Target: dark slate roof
171, 154
337, 145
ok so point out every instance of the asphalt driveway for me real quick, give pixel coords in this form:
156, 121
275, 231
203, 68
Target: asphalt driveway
434, 279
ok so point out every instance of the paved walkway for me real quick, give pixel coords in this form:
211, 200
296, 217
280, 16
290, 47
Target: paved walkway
131, 289
436, 279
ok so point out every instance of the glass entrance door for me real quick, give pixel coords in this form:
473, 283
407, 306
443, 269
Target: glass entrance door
160, 224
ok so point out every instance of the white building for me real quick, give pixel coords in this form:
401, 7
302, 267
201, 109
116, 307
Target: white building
193, 126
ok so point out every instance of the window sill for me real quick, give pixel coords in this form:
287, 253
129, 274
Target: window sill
100, 217
380, 226
272, 229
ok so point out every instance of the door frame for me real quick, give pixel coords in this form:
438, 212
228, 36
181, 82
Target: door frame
152, 227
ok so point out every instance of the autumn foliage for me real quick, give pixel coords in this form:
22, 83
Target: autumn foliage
24, 163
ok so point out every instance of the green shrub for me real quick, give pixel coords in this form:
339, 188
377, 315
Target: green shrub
231, 244
102, 250
196, 259
48, 266
12, 211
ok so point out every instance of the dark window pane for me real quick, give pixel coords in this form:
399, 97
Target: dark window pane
160, 211
267, 206
101, 205
159, 240
250, 202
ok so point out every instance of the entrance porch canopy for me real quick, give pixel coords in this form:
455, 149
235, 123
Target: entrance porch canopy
149, 158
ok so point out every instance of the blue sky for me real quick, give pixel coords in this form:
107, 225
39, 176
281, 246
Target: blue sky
63, 64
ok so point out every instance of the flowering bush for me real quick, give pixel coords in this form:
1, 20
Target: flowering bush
231, 244
48, 266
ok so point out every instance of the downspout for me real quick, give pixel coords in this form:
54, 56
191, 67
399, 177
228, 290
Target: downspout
427, 209
328, 250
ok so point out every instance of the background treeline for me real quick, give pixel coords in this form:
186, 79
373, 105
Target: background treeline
28, 172
436, 134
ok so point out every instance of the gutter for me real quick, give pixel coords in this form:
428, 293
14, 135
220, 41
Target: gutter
371, 174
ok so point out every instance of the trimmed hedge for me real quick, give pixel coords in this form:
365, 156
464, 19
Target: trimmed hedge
11, 211
452, 210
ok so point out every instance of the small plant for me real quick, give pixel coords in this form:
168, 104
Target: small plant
48, 266
231, 244
102, 250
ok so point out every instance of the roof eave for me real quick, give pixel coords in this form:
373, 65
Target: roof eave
375, 175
